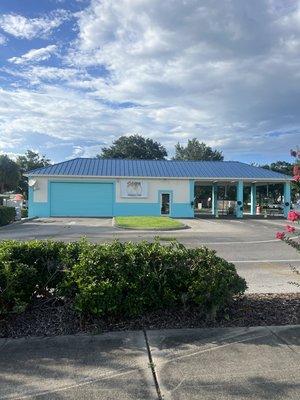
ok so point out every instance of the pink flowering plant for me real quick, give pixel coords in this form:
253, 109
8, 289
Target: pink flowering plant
291, 236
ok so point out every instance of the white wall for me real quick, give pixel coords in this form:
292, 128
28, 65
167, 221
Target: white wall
180, 188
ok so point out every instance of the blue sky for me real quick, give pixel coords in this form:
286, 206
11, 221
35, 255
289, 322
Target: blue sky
76, 75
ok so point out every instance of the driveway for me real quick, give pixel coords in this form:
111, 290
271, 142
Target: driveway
258, 363
249, 244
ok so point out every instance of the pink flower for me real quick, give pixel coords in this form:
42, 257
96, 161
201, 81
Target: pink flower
280, 235
290, 228
293, 216
296, 178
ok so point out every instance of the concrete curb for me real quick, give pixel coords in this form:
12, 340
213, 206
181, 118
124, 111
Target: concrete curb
115, 225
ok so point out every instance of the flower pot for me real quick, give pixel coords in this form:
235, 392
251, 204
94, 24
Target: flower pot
296, 170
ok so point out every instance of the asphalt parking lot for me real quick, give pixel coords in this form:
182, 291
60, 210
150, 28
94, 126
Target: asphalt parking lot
249, 244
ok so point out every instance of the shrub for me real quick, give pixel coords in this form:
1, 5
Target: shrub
24, 213
291, 236
7, 215
128, 278
117, 278
32, 268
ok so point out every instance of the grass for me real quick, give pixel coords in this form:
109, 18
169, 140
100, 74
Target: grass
151, 223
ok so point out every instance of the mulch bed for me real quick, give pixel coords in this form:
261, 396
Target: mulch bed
55, 317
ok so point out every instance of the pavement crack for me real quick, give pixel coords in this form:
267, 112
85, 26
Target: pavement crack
281, 339
152, 366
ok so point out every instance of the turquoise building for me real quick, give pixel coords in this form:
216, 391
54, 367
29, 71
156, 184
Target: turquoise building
92, 187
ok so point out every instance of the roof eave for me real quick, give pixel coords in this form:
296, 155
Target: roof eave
220, 179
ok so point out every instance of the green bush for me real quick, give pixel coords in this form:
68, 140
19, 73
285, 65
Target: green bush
7, 215
24, 213
128, 278
117, 278
32, 268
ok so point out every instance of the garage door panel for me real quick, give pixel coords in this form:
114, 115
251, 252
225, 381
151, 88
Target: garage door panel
74, 199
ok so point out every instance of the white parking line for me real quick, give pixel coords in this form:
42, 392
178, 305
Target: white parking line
251, 242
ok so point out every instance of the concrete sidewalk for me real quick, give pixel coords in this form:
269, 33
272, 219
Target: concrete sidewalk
231, 363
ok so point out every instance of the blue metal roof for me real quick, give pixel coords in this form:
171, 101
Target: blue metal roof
158, 169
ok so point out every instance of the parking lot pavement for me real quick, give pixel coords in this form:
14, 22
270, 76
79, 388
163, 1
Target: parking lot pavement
225, 364
111, 366
250, 244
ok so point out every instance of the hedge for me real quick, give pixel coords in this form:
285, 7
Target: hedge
116, 279
7, 215
24, 213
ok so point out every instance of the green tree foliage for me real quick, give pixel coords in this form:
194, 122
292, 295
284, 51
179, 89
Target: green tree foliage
134, 147
29, 161
195, 150
283, 167
274, 192
9, 174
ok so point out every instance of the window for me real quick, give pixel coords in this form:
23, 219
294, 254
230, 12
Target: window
165, 204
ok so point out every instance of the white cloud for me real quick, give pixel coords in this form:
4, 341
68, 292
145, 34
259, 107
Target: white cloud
29, 28
35, 55
224, 72
227, 67
3, 39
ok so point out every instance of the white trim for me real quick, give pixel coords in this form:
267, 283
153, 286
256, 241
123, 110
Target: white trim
202, 179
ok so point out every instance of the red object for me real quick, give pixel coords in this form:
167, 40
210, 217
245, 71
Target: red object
280, 235
296, 178
290, 228
19, 197
293, 216
296, 170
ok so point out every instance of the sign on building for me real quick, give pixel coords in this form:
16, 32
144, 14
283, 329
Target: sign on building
134, 188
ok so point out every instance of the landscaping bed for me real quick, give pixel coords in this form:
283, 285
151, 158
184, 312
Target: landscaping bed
56, 317
148, 223
56, 288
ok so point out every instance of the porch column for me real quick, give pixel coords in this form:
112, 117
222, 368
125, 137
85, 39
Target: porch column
214, 200
239, 199
253, 199
287, 198
192, 197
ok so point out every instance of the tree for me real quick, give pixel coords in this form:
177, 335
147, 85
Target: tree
282, 167
195, 150
134, 147
29, 161
9, 174
275, 191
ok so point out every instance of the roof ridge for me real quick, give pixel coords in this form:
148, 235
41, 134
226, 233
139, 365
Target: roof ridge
145, 159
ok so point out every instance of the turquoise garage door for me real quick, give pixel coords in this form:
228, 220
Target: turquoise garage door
84, 199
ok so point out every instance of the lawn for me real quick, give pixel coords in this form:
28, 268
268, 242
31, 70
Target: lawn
153, 223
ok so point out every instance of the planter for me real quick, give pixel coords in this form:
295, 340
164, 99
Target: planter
296, 170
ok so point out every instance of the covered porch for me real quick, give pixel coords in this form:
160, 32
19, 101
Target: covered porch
240, 198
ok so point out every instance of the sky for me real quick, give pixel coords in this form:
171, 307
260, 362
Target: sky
77, 74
